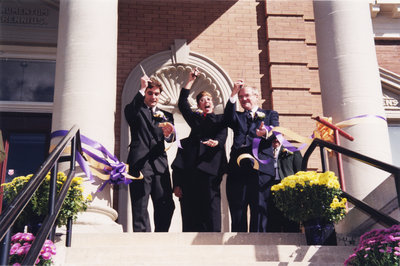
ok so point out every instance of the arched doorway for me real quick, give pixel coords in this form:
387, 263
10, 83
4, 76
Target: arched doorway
171, 68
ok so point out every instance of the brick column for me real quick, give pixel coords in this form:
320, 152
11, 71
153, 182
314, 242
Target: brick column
293, 66
85, 87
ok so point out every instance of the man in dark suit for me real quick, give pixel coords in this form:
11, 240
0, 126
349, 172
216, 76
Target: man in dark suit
149, 128
247, 186
200, 164
286, 163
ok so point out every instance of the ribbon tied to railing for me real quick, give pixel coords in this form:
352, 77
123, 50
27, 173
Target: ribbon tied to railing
107, 168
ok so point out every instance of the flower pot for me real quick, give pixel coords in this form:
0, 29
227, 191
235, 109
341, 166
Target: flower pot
320, 232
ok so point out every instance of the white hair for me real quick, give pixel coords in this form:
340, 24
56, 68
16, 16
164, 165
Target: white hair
253, 89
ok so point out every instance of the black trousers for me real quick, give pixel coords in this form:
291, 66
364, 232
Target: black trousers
159, 188
243, 190
201, 202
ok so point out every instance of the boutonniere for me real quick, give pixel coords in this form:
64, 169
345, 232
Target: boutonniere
199, 112
159, 115
260, 115
287, 151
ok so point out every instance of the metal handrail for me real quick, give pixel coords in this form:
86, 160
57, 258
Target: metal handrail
15, 208
394, 170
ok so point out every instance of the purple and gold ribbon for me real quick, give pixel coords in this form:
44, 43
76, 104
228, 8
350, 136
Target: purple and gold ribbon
323, 132
107, 168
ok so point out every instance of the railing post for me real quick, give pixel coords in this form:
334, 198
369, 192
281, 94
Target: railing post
323, 160
5, 248
73, 152
72, 167
339, 161
52, 197
397, 184
69, 232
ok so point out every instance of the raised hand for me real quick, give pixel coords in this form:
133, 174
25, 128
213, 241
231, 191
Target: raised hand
192, 77
262, 130
144, 82
236, 87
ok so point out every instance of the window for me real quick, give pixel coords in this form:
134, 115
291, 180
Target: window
27, 80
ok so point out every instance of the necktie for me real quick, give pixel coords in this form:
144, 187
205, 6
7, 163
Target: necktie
276, 164
249, 116
152, 115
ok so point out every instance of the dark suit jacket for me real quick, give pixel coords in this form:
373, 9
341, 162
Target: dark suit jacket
195, 155
147, 150
288, 163
243, 137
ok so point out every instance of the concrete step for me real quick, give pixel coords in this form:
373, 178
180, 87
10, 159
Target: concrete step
205, 254
197, 249
179, 239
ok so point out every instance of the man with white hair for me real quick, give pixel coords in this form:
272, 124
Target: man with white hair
248, 185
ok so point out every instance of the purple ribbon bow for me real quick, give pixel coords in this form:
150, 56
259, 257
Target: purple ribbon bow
116, 169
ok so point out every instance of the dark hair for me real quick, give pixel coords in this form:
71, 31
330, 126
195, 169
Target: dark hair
201, 94
154, 83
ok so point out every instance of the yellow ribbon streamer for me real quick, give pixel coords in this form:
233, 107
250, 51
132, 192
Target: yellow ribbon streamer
355, 121
291, 134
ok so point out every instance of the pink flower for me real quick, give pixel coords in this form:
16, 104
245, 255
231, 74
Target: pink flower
49, 246
46, 255
396, 253
16, 237
37, 261
16, 264
14, 248
28, 237
20, 251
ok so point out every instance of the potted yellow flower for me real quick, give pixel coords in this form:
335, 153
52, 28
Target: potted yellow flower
37, 208
315, 200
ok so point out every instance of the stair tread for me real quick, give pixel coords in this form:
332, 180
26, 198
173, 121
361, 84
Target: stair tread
197, 248
192, 238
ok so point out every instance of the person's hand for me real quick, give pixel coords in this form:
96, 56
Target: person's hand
262, 130
167, 128
192, 77
211, 143
194, 74
144, 82
178, 192
236, 87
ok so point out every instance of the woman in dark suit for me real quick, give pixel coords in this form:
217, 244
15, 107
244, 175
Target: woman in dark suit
199, 165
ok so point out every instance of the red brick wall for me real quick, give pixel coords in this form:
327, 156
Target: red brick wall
271, 44
293, 65
388, 54
231, 33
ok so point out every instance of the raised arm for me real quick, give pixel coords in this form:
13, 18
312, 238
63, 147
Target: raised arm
230, 115
132, 109
183, 104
